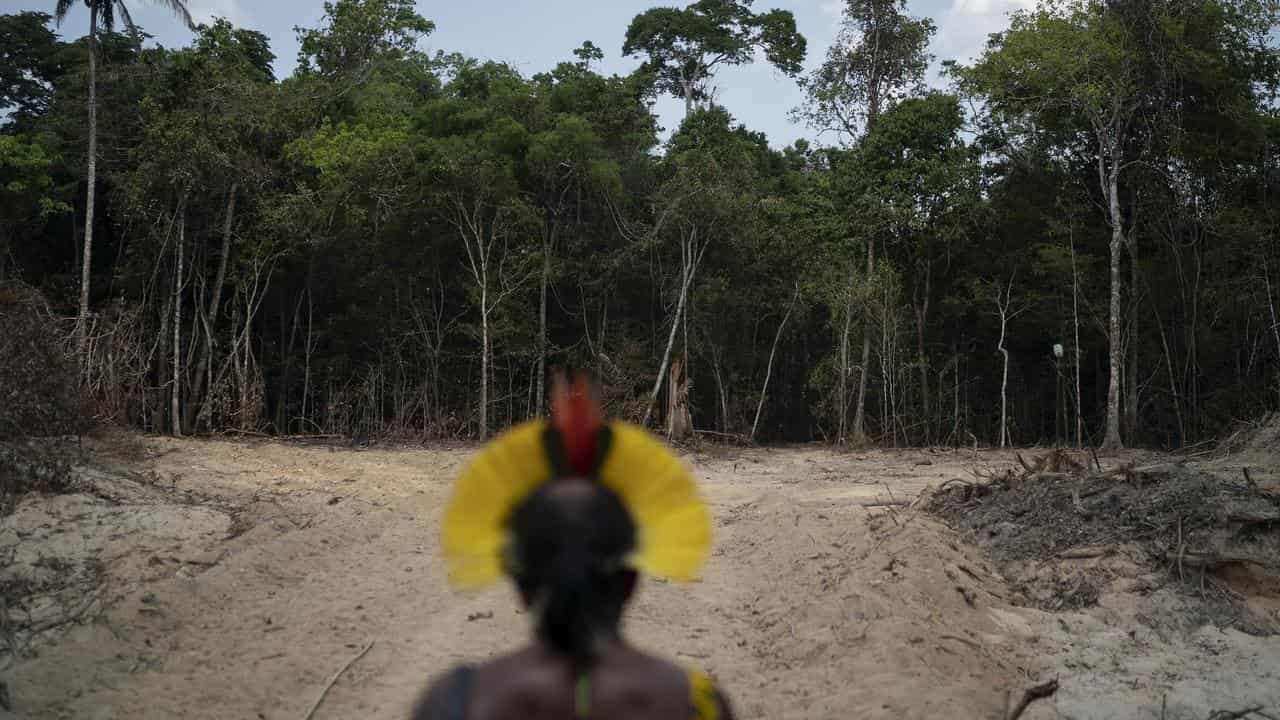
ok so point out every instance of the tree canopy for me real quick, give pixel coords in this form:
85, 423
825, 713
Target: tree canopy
400, 243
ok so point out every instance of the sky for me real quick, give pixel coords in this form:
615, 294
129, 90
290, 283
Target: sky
534, 35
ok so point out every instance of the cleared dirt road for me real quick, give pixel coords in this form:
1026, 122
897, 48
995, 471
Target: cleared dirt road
242, 576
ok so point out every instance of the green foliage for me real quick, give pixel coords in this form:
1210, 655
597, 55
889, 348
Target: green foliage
358, 33
394, 221
28, 195
683, 47
28, 65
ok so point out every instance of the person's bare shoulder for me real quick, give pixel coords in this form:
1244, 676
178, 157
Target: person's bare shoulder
676, 677
440, 701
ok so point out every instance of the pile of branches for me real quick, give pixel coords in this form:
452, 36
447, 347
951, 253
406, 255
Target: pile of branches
39, 389
1058, 507
39, 397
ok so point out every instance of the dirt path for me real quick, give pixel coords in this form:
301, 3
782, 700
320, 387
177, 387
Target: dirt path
241, 576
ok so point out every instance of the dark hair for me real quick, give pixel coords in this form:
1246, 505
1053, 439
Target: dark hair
570, 540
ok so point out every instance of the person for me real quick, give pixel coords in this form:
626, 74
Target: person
572, 510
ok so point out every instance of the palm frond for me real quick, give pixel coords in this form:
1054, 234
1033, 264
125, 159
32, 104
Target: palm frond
179, 8
61, 9
106, 13
127, 18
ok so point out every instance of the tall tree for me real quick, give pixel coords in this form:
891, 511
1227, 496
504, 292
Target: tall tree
879, 55
104, 12
1076, 62
683, 47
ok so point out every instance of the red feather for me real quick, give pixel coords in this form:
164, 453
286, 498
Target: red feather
576, 414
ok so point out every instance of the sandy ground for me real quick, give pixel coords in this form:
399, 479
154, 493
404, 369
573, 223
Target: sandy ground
240, 576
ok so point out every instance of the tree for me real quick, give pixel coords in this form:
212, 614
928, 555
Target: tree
359, 34
1006, 310
468, 151
104, 11
28, 66
683, 47
564, 161
27, 194
1074, 59
920, 181
879, 56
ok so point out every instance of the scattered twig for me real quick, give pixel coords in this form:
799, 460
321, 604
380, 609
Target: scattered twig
739, 439
1023, 463
71, 617
1181, 547
1234, 715
1096, 462
944, 485
1032, 694
882, 503
1252, 485
316, 705
957, 638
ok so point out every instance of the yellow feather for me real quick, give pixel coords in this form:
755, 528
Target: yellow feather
505, 472
674, 524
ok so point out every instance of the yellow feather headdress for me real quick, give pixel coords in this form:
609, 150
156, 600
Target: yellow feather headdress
673, 524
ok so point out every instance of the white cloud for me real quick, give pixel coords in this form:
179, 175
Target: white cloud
204, 11
963, 30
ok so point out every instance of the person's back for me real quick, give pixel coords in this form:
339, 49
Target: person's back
537, 684
570, 510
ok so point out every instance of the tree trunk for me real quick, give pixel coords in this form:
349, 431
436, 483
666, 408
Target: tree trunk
859, 415
484, 359
691, 256
1275, 322
1075, 318
1004, 384
922, 319
842, 394
1131, 398
307, 350
1111, 440
542, 323
176, 389
206, 358
82, 318
768, 372
163, 366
